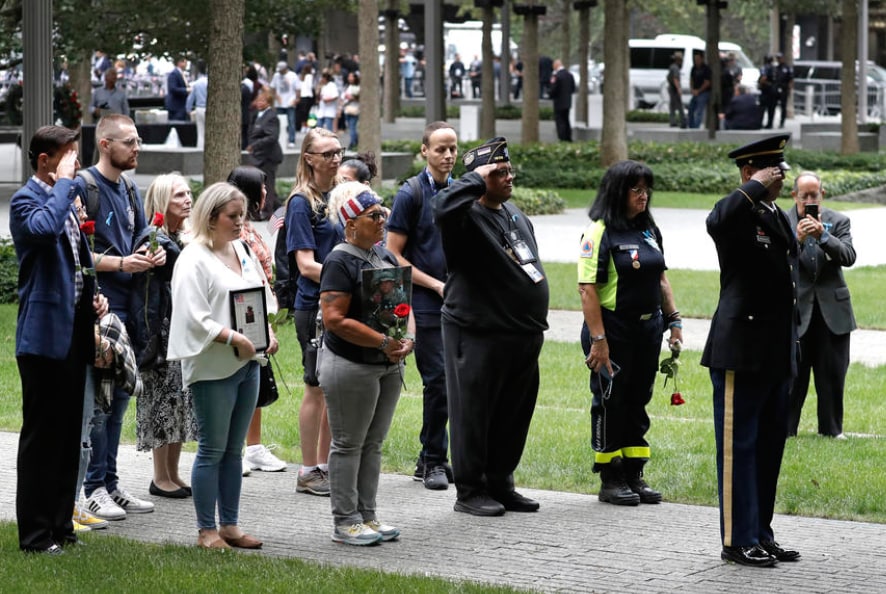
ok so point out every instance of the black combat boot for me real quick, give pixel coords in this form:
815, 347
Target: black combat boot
634, 477
614, 488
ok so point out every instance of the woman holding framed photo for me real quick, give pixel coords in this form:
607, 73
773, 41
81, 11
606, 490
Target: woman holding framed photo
218, 361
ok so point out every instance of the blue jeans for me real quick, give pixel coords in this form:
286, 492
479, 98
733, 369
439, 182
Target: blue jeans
105, 437
223, 409
351, 121
290, 121
697, 106
325, 123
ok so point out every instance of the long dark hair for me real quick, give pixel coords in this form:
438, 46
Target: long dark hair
249, 180
610, 205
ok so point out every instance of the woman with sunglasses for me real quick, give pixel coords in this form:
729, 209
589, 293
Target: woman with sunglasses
627, 302
310, 236
361, 360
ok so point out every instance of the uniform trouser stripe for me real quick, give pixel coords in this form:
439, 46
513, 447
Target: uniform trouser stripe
728, 445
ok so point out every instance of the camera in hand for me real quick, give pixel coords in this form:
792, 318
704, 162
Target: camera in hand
812, 211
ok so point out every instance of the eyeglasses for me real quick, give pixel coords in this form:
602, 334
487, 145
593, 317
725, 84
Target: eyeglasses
375, 216
503, 173
329, 155
130, 142
640, 191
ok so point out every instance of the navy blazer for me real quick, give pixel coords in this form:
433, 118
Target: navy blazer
46, 269
821, 273
176, 96
755, 326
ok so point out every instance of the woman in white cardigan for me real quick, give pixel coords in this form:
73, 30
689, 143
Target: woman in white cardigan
218, 362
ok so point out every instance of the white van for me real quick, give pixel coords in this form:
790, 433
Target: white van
650, 59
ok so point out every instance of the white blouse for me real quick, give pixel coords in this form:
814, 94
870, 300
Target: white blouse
201, 286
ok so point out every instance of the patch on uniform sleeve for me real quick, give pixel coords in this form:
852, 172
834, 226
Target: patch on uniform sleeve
587, 248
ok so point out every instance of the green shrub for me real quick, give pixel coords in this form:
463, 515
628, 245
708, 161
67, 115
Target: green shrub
537, 202
8, 272
646, 115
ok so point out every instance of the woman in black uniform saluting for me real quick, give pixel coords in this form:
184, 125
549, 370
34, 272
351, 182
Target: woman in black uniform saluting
627, 303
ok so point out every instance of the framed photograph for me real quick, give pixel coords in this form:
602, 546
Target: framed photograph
387, 295
249, 316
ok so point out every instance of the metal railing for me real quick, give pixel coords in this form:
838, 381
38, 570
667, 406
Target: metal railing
822, 97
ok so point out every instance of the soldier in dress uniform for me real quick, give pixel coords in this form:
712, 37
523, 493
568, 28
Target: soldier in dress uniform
752, 351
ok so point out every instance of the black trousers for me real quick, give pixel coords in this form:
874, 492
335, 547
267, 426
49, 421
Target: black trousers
49, 446
750, 427
827, 356
435, 412
492, 385
564, 130
619, 421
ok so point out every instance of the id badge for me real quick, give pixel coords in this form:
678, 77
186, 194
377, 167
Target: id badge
521, 250
532, 272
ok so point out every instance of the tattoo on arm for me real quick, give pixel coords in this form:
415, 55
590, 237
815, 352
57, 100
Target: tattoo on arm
331, 296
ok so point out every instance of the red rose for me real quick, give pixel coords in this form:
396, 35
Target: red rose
158, 219
402, 310
677, 399
88, 227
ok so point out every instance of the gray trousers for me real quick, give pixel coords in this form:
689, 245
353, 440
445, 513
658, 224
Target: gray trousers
360, 403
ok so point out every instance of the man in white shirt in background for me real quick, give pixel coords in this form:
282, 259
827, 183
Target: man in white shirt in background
284, 84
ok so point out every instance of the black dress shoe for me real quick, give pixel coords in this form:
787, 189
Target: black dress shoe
515, 502
52, 549
753, 556
188, 491
176, 494
771, 547
479, 505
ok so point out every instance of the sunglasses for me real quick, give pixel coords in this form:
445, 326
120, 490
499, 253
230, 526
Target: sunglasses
130, 142
375, 216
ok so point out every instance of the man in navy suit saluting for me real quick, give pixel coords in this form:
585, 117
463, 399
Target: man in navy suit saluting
752, 351
54, 339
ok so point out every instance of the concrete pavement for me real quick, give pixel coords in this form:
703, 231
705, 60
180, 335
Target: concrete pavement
573, 544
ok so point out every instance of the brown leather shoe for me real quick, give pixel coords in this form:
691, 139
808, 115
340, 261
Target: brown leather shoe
243, 542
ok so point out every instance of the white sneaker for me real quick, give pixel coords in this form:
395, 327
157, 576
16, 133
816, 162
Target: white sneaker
290, 145
130, 503
356, 534
260, 457
247, 468
84, 518
387, 532
101, 505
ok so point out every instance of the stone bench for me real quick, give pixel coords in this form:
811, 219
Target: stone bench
157, 159
868, 142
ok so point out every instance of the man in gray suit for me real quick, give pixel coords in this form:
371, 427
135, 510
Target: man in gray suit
826, 317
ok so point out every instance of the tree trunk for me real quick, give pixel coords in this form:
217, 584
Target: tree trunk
712, 57
487, 77
222, 148
584, 42
392, 64
565, 41
614, 139
529, 118
369, 124
81, 81
848, 94
790, 21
